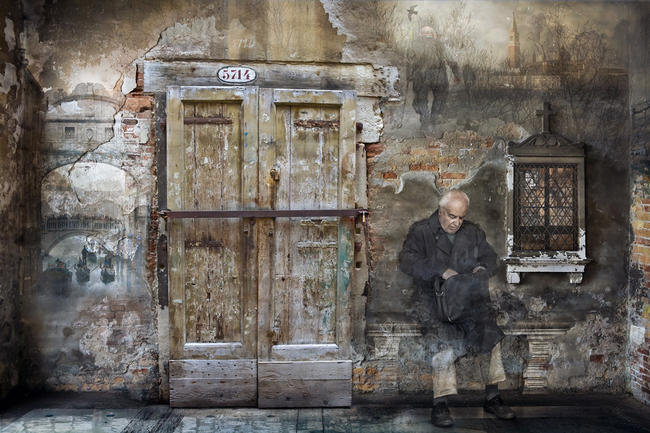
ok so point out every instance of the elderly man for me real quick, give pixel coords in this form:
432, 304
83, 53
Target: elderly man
450, 262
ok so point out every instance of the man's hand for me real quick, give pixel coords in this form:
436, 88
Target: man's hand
478, 269
448, 274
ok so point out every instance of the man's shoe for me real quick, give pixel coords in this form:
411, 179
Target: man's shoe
440, 415
498, 408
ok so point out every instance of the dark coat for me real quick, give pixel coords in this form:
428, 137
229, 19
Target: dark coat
426, 254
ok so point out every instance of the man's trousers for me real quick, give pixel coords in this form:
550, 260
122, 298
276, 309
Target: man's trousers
444, 370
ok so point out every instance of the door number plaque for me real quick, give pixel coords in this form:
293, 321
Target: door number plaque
236, 74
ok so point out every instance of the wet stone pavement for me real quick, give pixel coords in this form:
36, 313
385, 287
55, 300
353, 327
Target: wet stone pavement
599, 414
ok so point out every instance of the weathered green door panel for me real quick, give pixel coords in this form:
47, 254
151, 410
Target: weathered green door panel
212, 165
307, 154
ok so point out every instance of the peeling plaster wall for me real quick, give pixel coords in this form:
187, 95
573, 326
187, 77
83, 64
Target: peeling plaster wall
458, 140
419, 141
20, 116
76, 41
94, 331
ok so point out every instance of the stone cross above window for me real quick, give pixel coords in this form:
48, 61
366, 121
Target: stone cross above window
545, 205
546, 113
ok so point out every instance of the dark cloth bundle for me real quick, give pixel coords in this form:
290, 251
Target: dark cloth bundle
463, 297
464, 302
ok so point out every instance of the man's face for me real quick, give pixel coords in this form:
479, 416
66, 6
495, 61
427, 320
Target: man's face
452, 216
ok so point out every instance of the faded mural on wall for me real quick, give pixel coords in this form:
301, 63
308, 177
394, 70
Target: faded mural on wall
90, 229
471, 77
95, 207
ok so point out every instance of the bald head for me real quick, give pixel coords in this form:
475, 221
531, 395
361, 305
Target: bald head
453, 195
452, 209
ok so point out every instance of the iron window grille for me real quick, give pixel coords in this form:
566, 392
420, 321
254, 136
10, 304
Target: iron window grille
545, 207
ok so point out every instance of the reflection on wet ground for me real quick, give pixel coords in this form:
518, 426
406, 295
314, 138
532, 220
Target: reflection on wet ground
371, 419
71, 420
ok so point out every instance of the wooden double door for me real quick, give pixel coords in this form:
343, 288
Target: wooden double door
259, 305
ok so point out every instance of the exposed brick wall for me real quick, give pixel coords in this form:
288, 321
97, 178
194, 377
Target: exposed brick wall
639, 277
450, 158
378, 376
639, 349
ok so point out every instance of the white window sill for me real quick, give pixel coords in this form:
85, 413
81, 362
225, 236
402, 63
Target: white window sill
574, 266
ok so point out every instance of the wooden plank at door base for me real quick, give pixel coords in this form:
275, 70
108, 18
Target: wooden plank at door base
212, 383
213, 369
212, 392
305, 384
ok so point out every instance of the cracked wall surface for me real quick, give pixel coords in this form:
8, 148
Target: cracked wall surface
429, 146
445, 96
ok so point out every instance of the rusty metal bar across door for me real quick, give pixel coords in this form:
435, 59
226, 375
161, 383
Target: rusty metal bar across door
260, 213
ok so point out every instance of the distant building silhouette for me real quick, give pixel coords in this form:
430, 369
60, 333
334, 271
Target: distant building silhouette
514, 50
546, 71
